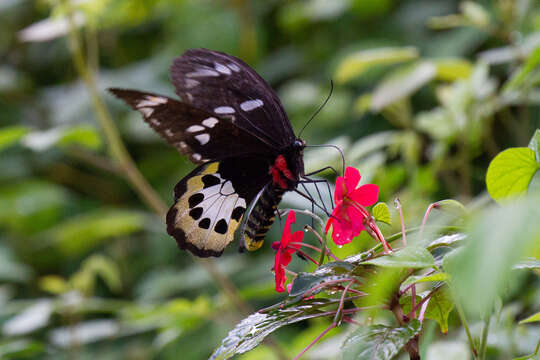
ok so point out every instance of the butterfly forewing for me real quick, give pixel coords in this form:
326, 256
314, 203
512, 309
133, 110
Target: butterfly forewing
225, 85
193, 132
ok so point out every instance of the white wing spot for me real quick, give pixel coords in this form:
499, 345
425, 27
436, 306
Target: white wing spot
146, 111
191, 83
233, 67
202, 73
224, 110
155, 122
251, 104
210, 122
222, 69
183, 145
169, 133
194, 128
157, 99
151, 101
241, 202
203, 138
227, 188
196, 157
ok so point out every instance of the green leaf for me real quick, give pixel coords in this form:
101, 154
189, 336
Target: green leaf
381, 213
360, 62
452, 206
328, 272
475, 13
11, 269
530, 263
402, 84
534, 145
83, 232
97, 265
82, 135
21, 349
28, 206
410, 257
528, 357
439, 307
510, 172
532, 318
10, 135
441, 276
452, 69
521, 75
253, 329
447, 241
496, 240
379, 342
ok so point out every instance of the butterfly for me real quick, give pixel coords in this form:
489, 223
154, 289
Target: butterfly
231, 123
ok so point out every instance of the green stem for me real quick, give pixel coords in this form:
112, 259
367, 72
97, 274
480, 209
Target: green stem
483, 338
463, 320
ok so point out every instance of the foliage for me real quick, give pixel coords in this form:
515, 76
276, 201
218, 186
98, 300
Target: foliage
432, 100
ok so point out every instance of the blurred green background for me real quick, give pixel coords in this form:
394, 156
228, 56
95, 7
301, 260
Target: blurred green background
426, 93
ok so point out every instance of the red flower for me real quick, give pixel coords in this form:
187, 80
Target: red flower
347, 219
284, 251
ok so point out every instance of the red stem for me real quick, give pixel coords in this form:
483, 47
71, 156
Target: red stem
332, 325
426, 215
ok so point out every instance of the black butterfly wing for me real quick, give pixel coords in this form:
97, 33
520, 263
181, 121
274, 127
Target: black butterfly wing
210, 203
194, 132
222, 84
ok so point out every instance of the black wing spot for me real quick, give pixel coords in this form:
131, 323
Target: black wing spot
221, 227
210, 180
237, 213
196, 213
195, 199
204, 223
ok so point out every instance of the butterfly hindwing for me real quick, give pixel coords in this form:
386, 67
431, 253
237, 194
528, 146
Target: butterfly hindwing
223, 84
210, 203
193, 132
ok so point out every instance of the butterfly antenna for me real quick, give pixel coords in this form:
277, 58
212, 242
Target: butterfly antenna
320, 107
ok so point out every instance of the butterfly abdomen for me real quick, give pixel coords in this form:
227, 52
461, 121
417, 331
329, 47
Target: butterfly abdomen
262, 217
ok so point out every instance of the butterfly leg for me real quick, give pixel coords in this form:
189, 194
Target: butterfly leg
318, 192
317, 181
312, 200
320, 171
312, 204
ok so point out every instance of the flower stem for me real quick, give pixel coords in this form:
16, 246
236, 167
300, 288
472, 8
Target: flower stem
424, 220
397, 204
339, 312
326, 250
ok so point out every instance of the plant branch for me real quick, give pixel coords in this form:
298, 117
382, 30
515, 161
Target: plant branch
123, 160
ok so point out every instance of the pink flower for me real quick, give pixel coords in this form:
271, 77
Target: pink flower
285, 250
347, 219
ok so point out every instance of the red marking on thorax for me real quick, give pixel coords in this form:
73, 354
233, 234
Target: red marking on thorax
280, 170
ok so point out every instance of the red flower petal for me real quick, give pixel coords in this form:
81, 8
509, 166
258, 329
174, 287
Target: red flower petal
286, 236
340, 190
279, 275
296, 238
352, 178
365, 195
